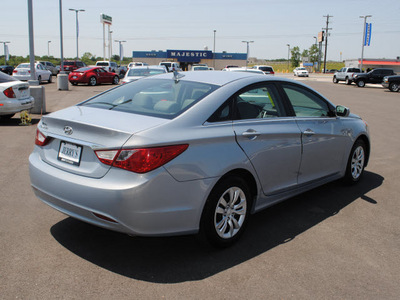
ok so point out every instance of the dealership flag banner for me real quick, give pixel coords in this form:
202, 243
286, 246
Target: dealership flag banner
367, 38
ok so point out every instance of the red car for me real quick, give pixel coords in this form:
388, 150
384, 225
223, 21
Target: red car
92, 76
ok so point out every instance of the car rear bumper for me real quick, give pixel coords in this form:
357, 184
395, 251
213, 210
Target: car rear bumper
139, 204
13, 106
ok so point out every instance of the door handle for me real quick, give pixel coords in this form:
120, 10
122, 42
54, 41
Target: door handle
308, 132
251, 133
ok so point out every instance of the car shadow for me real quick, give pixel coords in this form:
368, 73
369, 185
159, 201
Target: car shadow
186, 258
15, 121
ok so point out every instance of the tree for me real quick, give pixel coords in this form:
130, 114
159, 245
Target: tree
313, 53
295, 59
88, 58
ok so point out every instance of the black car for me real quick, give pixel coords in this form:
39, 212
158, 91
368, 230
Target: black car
7, 69
392, 83
374, 76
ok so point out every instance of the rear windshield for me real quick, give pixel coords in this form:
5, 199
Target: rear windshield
354, 70
163, 98
102, 64
167, 64
69, 63
265, 69
144, 72
6, 78
83, 69
24, 66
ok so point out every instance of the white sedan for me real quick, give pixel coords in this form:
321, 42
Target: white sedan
300, 72
14, 96
23, 72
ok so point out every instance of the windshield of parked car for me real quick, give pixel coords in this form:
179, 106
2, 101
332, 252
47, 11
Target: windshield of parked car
144, 72
200, 68
6, 78
163, 98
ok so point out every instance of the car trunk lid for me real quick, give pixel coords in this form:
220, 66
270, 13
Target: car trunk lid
76, 132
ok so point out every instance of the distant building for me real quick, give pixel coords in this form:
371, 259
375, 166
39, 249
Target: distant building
187, 58
372, 63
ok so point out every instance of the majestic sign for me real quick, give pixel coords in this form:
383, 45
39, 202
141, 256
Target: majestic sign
105, 19
188, 55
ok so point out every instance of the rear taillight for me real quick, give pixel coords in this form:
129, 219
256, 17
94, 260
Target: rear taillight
41, 139
272, 72
9, 93
140, 160
15, 71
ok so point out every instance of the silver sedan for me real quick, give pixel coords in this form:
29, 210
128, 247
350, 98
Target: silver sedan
193, 152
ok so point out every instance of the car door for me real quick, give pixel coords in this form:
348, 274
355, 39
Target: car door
340, 75
270, 139
322, 135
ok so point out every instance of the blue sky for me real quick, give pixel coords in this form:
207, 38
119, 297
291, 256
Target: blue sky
189, 25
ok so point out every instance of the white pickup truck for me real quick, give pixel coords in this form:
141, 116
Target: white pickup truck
345, 74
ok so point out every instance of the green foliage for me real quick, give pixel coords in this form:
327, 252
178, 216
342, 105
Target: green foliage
295, 59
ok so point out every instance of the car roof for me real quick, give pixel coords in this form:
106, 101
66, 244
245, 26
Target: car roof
217, 77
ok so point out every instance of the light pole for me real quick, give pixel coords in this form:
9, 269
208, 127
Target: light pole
214, 50
363, 40
120, 52
48, 48
288, 54
5, 52
77, 29
247, 57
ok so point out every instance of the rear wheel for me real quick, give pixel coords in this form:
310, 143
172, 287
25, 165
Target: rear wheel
92, 81
356, 163
348, 81
360, 83
394, 87
226, 212
39, 79
115, 80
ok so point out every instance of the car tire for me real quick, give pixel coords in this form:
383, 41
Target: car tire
335, 79
394, 87
226, 212
115, 80
50, 79
74, 83
39, 79
360, 83
92, 81
356, 162
348, 81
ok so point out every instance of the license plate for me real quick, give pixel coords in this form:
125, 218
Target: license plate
24, 94
74, 77
70, 153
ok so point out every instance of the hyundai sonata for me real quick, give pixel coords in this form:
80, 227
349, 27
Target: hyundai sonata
192, 152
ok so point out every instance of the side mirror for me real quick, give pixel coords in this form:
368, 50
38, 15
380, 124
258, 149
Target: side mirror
342, 111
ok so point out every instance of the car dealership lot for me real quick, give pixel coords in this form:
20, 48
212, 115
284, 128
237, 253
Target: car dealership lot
332, 242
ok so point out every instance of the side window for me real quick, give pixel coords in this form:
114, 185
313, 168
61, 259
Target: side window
223, 113
305, 103
258, 103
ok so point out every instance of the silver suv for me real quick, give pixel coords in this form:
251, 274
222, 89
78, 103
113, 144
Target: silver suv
109, 66
345, 74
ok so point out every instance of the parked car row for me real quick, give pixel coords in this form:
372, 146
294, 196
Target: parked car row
383, 76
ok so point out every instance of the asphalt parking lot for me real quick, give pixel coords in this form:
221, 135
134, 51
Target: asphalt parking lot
335, 242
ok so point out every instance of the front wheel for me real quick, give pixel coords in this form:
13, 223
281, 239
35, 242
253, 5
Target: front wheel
226, 212
361, 83
394, 87
50, 79
335, 79
356, 162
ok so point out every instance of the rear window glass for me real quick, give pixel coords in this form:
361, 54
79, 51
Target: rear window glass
102, 64
23, 66
69, 63
144, 72
6, 78
162, 98
265, 69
